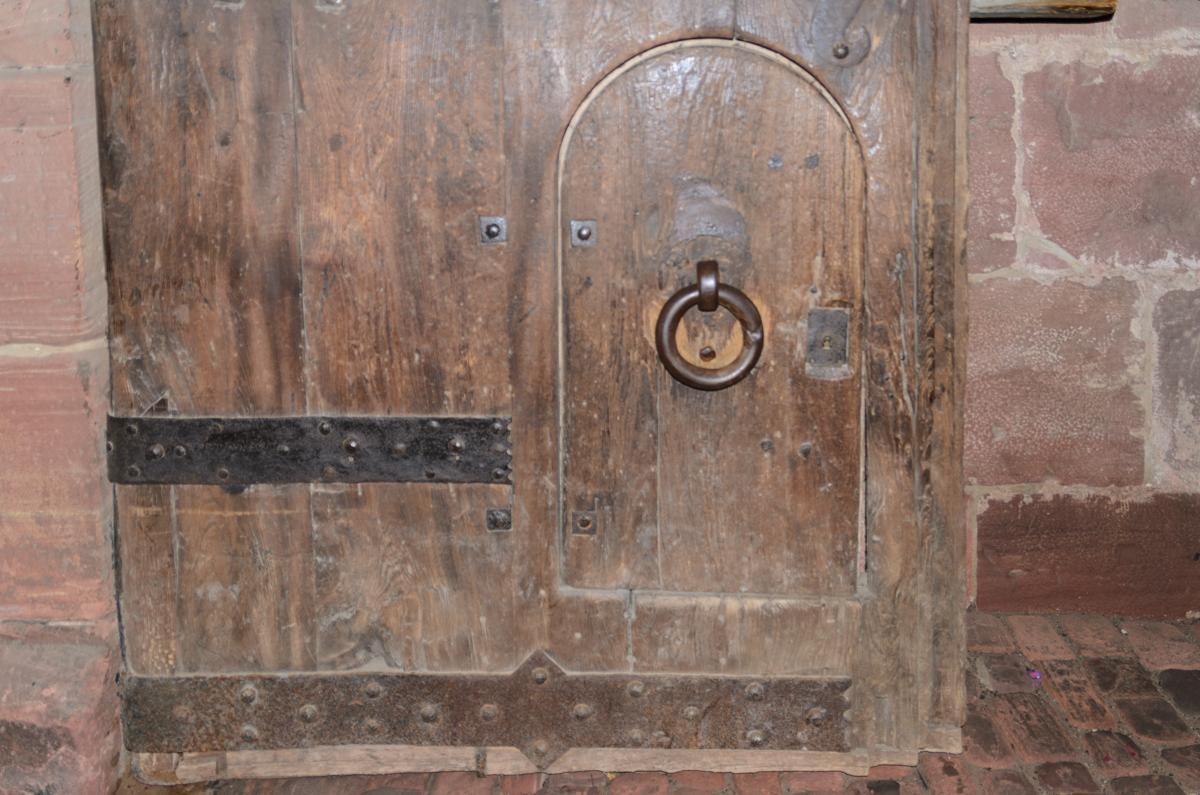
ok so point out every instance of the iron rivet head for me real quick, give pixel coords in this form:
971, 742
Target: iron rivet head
492, 231
489, 712
816, 716
582, 711
372, 726
499, 473
754, 691
399, 449
308, 713
756, 738
131, 429
248, 694
497, 426
429, 712
430, 474
636, 737
282, 449
691, 713
157, 451
541, 747
540, 675
434, 424
636, 688
350, 444
499, 519
133, 471
840, 50
328, 472
249, 733
806, 449
584, 233
707, 353
660, 740
108, 447
325, 428
180, 451
456, 444
223, 474
373, 690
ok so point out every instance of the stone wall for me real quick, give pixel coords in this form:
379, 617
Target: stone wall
1083, 388
58, 647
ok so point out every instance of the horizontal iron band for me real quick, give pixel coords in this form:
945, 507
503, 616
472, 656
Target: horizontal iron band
538, 708
248, 450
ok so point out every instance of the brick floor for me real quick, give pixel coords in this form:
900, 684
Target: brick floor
1057, 704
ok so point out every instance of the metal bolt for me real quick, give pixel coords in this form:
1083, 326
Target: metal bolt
691, 713
584, 233
308, 713
489, 712
372, 726
756, 737
582, 711
840, 50
429, 712
373, 690
540, 675
456, 444
754, 691
180, 451
350, 445
133, 471
249, 733
636, 688
157, 451
223, 474
248, 694
325, 428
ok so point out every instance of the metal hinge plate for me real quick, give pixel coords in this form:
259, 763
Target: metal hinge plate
242, 451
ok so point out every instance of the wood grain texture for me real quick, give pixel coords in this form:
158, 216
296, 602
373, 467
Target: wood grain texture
1042, 9
204, 290
752, 488
401, 135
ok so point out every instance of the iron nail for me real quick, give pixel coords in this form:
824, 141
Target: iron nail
134, 471
350, 444
754, 691
325, 428
374, 690
308, 713
249, 733
756, 737
131, 429
691, 713
429, 712
223, 473
582, 711
489, 712
584, 233
499, 474
248, 694
540, 675
457, 444
157, 451
636, 688
180, 451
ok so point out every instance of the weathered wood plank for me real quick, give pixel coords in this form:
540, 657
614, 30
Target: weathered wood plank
205, 316
1042, 9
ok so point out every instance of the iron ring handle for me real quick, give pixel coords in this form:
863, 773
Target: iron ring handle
709, 291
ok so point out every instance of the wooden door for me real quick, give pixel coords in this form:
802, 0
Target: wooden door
404, 480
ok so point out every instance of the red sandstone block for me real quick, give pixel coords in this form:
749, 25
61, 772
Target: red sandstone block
1184, 764
1152, 719
692, 782
987, 632
756, 784
1160, 645
1145, 785
639, 784
585, 783
1031, 728
58, 706
460, 783
1120, 677
1068, 684
1090, 554
1006, 673
993, 209
983, 744
1110, 169
1156, 18
812, 783
1001, 782
944, 775
1038, 638
1094, 635
1177, 387
36, 33
519, 785
1049, 393
1115, 754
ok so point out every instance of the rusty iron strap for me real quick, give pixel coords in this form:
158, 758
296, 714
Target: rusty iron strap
538, 708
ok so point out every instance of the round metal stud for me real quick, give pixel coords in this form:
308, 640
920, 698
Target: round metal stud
180, 451
373, 690
584, 233
131, 429
582, 711
754, 691
816, 716
108, 447
325, 428
636, 688
492, 231
497, 426
691, 713
540, 675
489, 712
372, 726
223, 474
399, 449
350, 445
540, 747
282, 449
756, 738
249, 733
840, 50
660, 739
134, 471
248, 694
456, 444
430, 712
308, 713
499, 473
157, 451
636, 737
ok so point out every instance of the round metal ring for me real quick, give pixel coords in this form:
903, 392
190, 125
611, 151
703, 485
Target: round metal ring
704, 378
